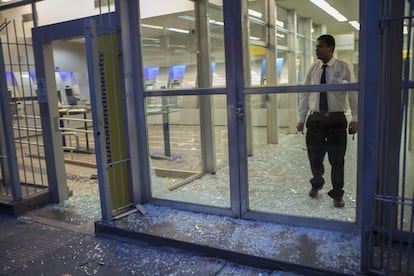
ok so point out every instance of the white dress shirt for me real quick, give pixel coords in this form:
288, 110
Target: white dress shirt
337, 72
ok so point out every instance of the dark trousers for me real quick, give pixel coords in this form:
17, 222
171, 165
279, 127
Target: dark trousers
327, 134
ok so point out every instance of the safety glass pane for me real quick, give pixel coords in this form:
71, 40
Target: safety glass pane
178, 171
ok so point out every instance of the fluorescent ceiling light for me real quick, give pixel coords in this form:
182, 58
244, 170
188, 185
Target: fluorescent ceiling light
152, 26
151, 39
150, 45
254, 38
187, 17
177, 46
255, 13
191, 18
280, 24
354, 24
178, 30
215, 22
329, 10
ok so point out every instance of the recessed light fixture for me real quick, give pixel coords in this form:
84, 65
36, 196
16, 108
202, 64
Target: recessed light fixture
354, 24
178, 30
254, 13
329, 10
187, 17
152, 26
280, 24
215, 22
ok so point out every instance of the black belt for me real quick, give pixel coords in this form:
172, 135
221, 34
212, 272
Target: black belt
327, 114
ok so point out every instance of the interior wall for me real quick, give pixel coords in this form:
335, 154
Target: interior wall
70, 56
54, 11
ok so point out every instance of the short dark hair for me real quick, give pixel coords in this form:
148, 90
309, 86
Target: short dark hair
328, 40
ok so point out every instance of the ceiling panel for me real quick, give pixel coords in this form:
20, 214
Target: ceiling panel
305, 8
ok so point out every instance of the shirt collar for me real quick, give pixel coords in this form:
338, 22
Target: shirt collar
329, 63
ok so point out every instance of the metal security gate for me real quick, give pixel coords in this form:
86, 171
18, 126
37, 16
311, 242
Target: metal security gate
391, 231
107, 107
23, 173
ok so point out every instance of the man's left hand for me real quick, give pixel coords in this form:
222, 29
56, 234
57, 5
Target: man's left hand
353, 127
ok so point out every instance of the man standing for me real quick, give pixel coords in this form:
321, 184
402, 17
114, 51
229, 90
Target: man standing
326, 124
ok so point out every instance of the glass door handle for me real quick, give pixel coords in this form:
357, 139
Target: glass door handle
239, 113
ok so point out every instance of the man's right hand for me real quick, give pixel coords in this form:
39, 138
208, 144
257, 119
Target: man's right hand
299, 126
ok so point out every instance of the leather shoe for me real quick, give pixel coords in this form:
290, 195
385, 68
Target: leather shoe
339, 203
313, 193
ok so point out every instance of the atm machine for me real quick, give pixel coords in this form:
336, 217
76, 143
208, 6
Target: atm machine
74, 120
279, 66
66, 84
150, 80
263, 83
70, 97
175, 81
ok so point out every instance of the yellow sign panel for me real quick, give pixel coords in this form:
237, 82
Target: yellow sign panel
114, 131
257, 50
404, 54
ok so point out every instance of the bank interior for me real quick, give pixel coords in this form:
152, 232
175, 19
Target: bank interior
183, 166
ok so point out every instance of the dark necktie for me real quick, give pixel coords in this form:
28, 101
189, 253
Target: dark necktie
323, 99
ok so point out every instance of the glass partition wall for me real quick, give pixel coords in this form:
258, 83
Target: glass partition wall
187, 107
278, 168
188, 137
